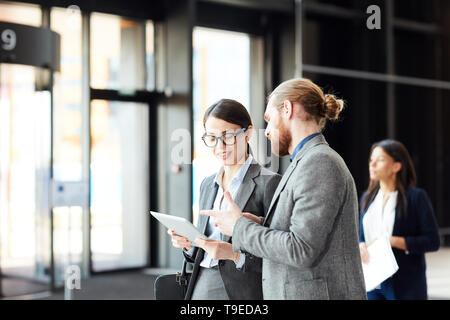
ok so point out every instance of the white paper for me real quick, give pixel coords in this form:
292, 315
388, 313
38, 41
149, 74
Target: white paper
381, 265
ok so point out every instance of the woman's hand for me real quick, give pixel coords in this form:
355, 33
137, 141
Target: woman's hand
252, 217
364, 253
180, 241
398, 242
218, 250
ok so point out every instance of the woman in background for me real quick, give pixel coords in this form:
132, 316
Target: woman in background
393, 206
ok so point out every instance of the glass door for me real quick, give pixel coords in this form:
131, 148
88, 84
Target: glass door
119, 185
25, 149
221, 69
121, 55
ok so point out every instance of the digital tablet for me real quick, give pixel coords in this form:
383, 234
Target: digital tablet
179, 225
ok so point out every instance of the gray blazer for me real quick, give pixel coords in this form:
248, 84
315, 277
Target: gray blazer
309, 239
254, 196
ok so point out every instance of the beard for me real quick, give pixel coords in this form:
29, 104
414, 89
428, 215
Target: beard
280, 145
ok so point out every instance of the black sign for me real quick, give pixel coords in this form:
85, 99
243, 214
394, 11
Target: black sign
21, 44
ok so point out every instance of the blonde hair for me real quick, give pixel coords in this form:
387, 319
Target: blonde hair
317, 104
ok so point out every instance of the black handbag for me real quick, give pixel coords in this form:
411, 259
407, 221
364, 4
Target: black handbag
172, 286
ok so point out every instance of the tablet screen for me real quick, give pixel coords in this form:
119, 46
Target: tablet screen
179, 225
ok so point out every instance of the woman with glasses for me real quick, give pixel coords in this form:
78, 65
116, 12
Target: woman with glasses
219, 273
394, 207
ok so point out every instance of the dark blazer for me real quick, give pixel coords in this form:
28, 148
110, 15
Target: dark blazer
420, 230
254, 196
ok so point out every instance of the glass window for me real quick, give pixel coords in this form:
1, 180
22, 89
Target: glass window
105, 51
119, 184
67, 152
67, 132
67, 239
24, 174
221, 69
21, 13
150, 55
119, 53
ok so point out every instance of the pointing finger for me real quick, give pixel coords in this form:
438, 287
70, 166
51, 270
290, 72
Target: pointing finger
199, 240
211, 213
227, 196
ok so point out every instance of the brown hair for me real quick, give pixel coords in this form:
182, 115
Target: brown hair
317, 104
230, 111
405, 178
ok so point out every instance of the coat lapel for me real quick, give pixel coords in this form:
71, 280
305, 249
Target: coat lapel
320, 139
207, 203
245, 190
397, 223
280, 188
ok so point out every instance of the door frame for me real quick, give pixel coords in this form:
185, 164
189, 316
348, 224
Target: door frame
152, 99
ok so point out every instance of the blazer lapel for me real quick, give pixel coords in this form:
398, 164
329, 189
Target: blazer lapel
280, 188
245, 190
207, 203
397, 223
320, 139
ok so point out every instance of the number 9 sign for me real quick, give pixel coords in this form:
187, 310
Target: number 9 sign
8, 39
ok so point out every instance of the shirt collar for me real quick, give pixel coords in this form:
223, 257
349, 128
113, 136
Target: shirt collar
239, 176
302, 143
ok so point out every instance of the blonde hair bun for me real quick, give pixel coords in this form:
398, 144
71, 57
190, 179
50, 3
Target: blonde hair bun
332, 107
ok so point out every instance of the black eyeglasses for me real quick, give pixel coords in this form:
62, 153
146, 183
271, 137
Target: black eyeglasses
228, 139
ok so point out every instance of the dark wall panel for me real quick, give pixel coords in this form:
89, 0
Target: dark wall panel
416, 109
363, 121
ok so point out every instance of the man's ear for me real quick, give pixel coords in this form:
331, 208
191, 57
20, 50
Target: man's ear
288, 109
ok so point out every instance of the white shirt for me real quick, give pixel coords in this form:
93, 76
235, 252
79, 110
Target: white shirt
220, 204
379, 221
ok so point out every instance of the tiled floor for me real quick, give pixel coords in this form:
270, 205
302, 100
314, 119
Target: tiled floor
438, 274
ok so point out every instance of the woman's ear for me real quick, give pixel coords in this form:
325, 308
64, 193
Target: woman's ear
397, 167
249, 133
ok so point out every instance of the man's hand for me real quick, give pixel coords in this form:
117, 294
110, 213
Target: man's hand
218, 250
225, 220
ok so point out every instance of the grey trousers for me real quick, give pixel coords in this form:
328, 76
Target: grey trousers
209, 285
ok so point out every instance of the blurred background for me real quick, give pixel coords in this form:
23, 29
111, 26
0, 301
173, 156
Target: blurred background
91, 93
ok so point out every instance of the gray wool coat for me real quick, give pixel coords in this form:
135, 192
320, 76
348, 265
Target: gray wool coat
309, 239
